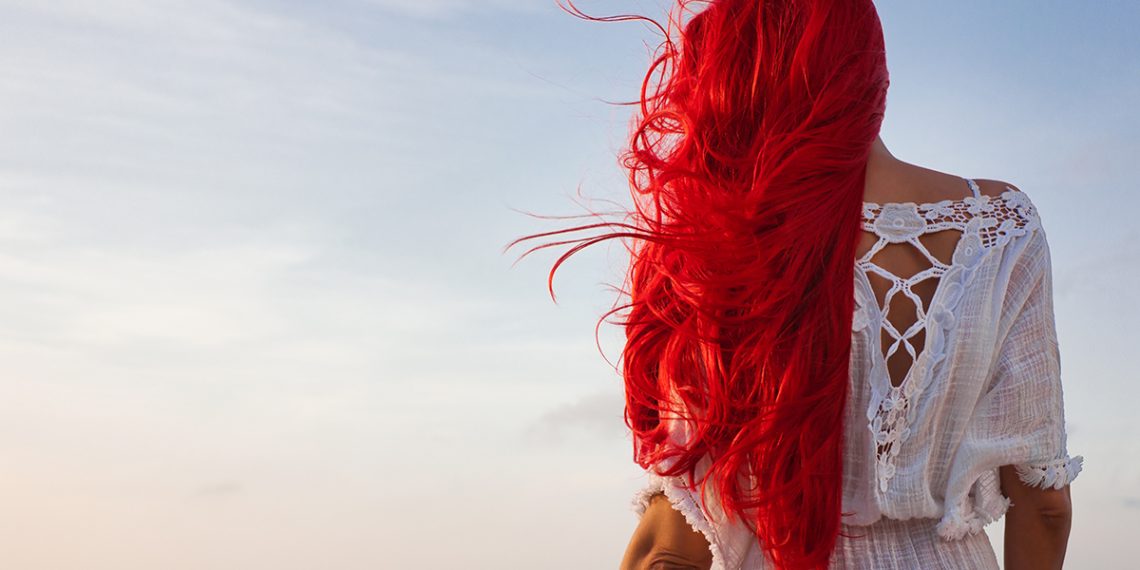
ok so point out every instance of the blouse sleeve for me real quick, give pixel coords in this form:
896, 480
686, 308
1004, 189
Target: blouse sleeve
1026, 400
1019, 419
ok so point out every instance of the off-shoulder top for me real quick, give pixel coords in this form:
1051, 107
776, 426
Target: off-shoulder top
983, 389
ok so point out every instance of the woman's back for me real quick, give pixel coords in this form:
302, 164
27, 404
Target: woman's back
897, 268
955, 373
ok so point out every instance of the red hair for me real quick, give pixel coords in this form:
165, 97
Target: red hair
747, 162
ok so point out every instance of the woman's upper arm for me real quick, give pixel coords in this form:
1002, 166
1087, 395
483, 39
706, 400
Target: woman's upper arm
1047, 501
664, 540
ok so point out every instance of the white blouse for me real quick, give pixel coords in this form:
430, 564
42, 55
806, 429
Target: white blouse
983, 391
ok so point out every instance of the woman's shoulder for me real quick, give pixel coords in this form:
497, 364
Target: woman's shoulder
904, 182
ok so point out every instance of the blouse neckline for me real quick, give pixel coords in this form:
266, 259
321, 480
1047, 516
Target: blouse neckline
941, 203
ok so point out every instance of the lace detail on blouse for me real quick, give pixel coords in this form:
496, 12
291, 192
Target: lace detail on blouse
985, 223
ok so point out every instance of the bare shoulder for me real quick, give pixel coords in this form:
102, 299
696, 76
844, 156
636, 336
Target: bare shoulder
994, 188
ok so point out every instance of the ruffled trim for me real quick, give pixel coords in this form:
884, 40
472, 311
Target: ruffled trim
682, 501
972, 512
1054, 474
963, 519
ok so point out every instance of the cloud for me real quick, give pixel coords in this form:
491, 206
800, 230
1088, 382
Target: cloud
599, 414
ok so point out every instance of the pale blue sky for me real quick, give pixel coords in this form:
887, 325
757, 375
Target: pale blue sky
256, 314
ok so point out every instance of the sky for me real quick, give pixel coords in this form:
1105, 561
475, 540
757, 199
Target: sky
256, 311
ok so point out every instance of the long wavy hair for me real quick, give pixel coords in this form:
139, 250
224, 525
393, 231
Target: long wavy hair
747, 161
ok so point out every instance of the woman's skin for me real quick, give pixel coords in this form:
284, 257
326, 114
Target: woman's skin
1038, 521
1036, 524
665, 541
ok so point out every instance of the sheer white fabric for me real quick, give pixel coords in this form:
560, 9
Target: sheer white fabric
983, 390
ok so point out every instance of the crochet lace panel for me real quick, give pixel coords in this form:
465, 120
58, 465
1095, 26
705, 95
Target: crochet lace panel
985, 224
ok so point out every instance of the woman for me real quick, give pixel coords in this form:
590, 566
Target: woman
833, 358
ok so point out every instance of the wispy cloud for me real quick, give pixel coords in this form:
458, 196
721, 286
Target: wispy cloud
599, 414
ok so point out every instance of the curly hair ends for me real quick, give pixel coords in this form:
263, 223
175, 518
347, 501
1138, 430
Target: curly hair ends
746, 161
